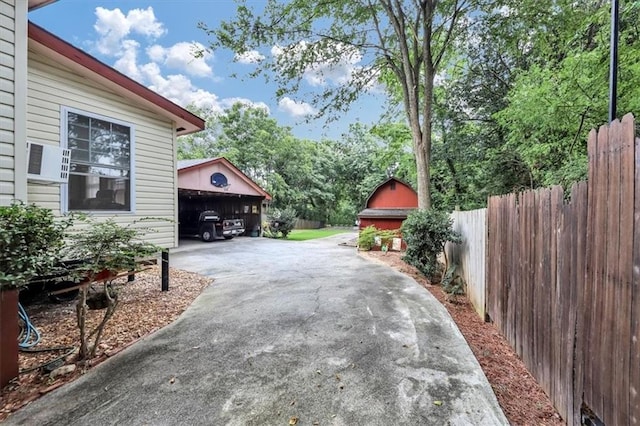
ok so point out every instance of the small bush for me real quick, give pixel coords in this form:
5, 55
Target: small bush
281, 223
425, 232
452, 283
30, 241
105, 248
367, 237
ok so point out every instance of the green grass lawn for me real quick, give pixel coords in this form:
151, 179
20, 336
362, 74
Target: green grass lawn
311, 234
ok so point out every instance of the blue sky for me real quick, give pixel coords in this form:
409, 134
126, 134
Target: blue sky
152, 41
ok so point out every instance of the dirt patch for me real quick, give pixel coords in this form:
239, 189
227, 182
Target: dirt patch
143, 308
519, 395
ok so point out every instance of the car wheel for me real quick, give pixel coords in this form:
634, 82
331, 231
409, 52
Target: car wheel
206, 234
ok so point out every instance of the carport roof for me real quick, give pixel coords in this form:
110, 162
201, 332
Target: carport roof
184, 165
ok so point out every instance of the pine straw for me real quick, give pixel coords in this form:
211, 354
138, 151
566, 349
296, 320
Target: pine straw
143, 308
521, 398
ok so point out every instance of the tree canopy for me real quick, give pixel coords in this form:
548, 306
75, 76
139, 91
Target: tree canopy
401, 44
497, 96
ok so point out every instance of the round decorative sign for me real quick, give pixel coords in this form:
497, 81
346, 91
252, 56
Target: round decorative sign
219, 180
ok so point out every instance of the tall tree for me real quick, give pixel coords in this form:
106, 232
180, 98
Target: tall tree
402, 43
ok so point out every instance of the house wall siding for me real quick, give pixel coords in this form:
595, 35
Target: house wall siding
13, 64
52, 86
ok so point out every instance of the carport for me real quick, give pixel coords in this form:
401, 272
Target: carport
216, 184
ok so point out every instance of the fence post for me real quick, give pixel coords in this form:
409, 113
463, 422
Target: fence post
165, 270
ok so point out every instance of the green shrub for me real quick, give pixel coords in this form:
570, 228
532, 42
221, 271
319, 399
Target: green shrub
425, 232
30, 242
452, 283
367, 237
281, 223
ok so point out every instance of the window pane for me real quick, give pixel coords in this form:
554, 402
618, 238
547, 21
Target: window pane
76, 131
98, 193
78, 144
74, 118
106, 171
100, 164
79, 155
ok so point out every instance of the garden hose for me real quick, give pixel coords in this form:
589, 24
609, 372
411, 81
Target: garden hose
29, 334
30, 337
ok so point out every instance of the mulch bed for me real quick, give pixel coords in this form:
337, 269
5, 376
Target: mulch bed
521, 398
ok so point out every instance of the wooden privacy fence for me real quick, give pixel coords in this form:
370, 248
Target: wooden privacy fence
470, 255
563, 281
308, 224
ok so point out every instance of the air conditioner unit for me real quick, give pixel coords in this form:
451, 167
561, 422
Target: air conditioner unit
47, 163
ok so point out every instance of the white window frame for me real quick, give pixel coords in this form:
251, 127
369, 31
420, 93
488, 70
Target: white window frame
64, 143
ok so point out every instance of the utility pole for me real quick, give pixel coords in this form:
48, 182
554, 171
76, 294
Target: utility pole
613, 65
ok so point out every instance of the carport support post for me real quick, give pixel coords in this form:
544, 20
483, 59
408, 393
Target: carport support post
165, 270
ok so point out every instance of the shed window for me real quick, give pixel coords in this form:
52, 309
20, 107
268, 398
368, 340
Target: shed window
101, 169
393, 185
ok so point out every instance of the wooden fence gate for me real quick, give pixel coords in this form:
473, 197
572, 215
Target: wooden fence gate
563, 281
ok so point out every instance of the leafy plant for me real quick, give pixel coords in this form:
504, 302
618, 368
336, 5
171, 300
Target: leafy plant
104, 249
425, 232
281, 222
452, 283
30, 242
367, 238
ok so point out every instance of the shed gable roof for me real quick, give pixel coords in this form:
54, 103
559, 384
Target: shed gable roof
184, 166
400, 181
86, 65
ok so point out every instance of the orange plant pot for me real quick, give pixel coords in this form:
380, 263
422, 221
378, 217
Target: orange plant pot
9, 332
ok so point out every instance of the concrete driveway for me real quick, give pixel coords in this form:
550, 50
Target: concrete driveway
289, 330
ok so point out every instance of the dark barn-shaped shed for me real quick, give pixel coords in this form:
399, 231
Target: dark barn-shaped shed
388, 205
216, 184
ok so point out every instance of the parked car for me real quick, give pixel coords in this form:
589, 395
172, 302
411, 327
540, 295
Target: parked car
209, 225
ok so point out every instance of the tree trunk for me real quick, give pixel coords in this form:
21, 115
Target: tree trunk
422, 168
81, 315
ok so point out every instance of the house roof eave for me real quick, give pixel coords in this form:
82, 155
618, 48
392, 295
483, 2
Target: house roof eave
86, 65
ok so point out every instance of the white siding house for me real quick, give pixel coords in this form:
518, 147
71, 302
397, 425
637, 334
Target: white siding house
122, 136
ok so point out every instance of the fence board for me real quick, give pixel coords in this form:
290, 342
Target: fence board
625, 266
612, 239
634, 347
577, 310
556, 346
589, 284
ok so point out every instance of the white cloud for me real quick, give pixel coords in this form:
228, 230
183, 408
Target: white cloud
116, 31
338, 64
182, 56
295, 109
178, 88
249, 57
229, 102
127, 63
113, 26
